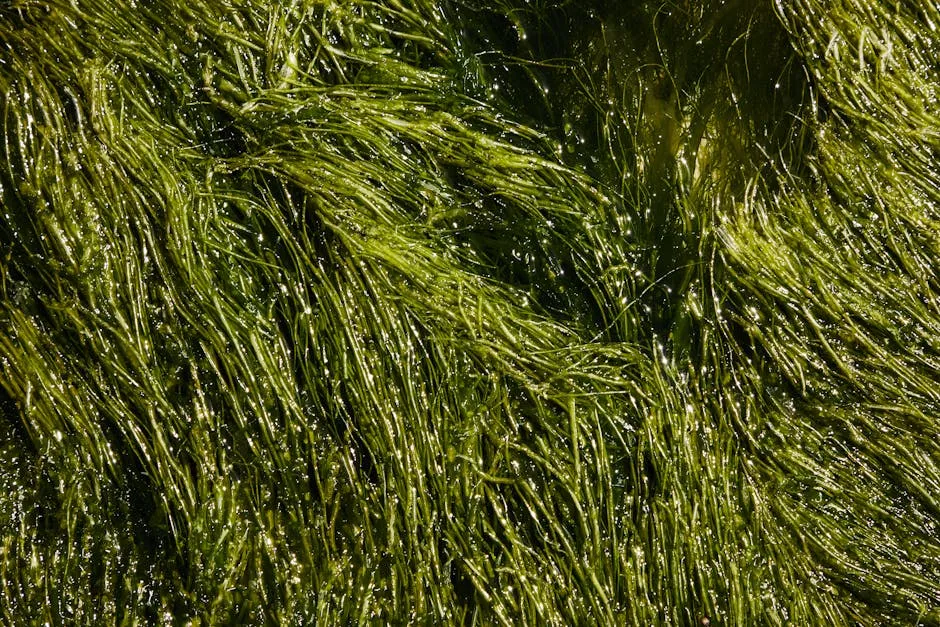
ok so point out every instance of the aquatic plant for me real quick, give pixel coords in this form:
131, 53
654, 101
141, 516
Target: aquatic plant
469, 311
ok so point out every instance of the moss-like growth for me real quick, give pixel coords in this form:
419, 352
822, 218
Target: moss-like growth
473, 312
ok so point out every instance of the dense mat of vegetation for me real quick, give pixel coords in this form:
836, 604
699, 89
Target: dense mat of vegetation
469, 311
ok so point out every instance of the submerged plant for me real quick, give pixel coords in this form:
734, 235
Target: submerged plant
469, 311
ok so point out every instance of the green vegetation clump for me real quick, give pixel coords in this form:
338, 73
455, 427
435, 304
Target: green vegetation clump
469, 312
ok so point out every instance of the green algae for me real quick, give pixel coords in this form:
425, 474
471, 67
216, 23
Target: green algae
469, 312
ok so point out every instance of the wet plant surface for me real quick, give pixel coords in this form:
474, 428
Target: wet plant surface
471, 311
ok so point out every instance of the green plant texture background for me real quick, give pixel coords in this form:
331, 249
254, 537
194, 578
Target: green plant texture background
568, 312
